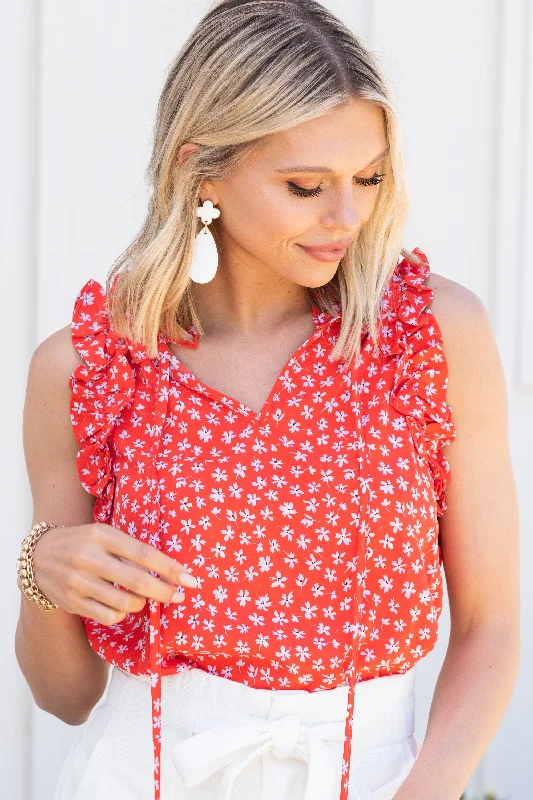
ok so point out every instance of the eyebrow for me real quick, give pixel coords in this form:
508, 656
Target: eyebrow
328, 169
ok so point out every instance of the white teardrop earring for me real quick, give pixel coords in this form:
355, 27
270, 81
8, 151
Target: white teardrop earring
205, 257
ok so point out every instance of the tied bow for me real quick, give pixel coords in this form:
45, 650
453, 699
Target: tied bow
228, 741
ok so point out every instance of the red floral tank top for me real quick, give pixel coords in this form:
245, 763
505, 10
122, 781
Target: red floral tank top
311, 528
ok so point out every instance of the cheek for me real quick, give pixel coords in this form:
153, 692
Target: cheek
265, 216
288, 219
366, 201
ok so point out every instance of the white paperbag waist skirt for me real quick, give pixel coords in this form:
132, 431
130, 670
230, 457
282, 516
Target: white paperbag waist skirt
224, 740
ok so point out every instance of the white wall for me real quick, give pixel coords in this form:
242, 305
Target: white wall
80, 83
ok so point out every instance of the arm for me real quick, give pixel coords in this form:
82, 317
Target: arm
479, 535
65, 675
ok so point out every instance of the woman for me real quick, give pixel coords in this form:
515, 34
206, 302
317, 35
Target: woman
261, 418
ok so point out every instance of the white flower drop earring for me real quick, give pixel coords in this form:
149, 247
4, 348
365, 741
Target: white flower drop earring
205, 257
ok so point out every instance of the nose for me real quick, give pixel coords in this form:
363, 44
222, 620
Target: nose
345, 214
285, 733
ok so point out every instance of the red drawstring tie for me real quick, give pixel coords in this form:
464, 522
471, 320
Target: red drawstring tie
155, 689
155, 655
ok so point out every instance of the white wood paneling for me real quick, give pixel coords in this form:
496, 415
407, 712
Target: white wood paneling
508, 219
525, 354
19, 59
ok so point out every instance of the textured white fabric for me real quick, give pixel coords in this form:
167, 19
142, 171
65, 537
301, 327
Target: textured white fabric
223, 740
228, 742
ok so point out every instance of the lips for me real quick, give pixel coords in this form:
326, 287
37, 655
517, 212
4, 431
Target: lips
326, 253
333, 247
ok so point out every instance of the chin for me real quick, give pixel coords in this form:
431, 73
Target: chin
317, 280
312, 278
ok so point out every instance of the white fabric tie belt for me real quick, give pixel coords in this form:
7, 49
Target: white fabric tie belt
229, 741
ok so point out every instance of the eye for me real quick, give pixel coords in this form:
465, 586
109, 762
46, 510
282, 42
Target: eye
301, 192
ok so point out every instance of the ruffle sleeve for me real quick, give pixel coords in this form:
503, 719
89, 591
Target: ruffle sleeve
101, 388
421, 372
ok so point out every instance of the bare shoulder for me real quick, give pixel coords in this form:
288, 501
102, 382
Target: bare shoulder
475, 370
56, 354
47, 402
455, 307
50, 445
48, 392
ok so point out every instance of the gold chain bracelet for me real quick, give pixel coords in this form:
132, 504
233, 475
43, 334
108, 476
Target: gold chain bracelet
25, 566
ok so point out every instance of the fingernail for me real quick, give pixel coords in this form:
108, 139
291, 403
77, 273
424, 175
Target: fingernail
177, 597
188, 580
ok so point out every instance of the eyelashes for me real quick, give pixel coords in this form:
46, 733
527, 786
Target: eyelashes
301, 192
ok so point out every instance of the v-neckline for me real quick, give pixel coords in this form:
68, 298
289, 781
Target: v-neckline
320, 319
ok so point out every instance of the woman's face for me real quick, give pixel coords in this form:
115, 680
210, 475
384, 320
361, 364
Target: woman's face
265, 215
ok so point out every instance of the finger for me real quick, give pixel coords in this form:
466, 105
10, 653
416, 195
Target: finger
144, 555
99, 612
136, 580
121, 600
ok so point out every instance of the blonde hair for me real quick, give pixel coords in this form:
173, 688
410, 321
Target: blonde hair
252, 68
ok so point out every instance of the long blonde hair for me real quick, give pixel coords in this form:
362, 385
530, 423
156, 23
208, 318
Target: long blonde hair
252, 68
